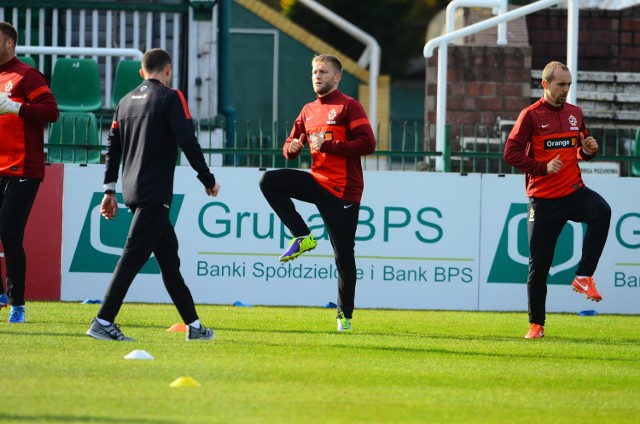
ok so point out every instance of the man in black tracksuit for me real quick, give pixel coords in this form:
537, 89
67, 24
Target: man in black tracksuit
149, 125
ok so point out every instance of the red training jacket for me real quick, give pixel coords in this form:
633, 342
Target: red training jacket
343, 123
22, 135
542, 132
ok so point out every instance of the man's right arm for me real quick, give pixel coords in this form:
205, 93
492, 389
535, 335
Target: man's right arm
114, 153
298, 132
109, 206
516, 150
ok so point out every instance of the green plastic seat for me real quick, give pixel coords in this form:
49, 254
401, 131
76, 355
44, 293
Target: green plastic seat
29, 60
127, 78
635, 165
71, 138
76, 85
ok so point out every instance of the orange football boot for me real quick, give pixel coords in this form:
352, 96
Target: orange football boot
536, 331
587, 287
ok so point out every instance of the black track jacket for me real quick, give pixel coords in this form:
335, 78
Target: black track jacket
149, 125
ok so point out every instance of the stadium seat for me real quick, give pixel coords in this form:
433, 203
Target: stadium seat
76, 85
127, 78
71, 138
635, 165
29, 60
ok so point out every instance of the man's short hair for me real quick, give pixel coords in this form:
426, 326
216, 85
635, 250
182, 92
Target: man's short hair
9, 31
547, 72
322, 58
155, 60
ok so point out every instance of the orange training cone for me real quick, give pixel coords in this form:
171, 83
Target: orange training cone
178, 328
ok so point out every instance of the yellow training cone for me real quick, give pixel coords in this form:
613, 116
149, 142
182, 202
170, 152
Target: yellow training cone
178, 328
184, 382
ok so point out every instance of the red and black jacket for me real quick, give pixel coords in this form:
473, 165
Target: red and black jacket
541, 133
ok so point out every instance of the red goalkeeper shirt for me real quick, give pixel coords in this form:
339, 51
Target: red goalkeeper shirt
22, 135
541, 133
343, 123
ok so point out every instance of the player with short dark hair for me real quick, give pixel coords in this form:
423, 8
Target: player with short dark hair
149, 125
26, 105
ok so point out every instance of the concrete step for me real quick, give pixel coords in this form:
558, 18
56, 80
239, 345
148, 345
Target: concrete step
603, 96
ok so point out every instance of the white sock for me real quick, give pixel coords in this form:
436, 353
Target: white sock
195, 324
581, 276
103, 322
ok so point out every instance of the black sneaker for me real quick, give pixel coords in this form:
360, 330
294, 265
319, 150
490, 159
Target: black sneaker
202, 333
107, 332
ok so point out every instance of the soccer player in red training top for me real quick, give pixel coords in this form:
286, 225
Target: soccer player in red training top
149, 125
546, 143
337, 130
26, 104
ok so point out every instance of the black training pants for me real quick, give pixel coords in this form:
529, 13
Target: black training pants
150, 232
549, 216
16, 199
340, 219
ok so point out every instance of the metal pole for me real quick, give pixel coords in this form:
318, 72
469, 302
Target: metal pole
573, 12
373, 48
443, 40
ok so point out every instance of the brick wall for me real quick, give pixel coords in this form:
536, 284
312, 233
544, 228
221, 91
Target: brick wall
609, 40
484, 83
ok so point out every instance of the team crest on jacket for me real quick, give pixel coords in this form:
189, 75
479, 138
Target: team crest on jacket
331, 117
573, 122
8, 87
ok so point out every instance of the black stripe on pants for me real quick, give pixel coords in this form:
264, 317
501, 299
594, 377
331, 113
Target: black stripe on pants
150, 231
550, 216
340, 219
16, 200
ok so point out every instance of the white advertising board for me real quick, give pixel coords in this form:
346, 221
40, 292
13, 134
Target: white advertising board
618, 273
424, 241
417, 245
599, 168
504, 252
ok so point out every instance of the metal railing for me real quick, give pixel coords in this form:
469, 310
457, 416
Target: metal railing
442, 42
256, 144
482, 151
57, 26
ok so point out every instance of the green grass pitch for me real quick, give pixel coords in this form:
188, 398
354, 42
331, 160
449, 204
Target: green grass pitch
289, 365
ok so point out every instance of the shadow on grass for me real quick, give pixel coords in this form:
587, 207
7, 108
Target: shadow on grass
11, 418
509, 355
443, 351
481, 338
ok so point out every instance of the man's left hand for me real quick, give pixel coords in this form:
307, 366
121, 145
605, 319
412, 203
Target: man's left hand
589, 144
317, 140
213, 191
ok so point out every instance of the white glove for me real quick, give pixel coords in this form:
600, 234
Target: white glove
8, 106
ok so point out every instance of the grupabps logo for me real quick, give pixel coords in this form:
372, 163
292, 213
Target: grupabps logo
511, 261
101, 242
